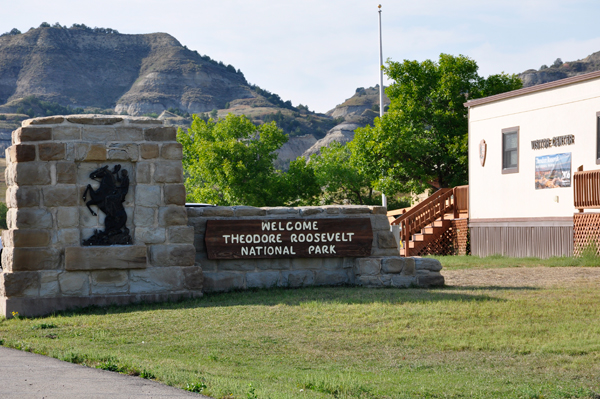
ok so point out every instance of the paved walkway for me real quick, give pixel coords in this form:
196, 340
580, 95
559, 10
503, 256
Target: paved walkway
26, 375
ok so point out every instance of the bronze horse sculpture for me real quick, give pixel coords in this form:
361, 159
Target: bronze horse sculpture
109, 198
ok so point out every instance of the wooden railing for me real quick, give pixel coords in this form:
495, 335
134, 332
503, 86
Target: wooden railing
586, 189
461, 200
443, 201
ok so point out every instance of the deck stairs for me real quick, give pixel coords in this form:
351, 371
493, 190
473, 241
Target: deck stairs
427, 227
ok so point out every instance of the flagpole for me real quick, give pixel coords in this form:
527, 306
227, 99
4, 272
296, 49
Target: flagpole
383, 197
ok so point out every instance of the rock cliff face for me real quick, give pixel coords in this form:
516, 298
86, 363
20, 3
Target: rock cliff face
532, 77
342, 133
291, 150
136, 74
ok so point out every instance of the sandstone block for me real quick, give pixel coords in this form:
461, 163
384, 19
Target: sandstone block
49, 284
44, 120
409, 267
151, 235
332, 263
168, 172
297, 278
380, 222
51, 151
143, 216
223, 281
149, 150
22, 152
30, 173
172, 216
193, 278
262, 279
19, 284
110, 282
274, 264
30, 259
181, 235
23, 196
66, 133
370, 281
68, 237
142, 121
403, 281
378, 210
392, 265
331, 277
433, 265
171, 151
98, 133
124, 152
26, 238
62, 195
199, 224
199, 243
31, 133
102, 258
282, 211
67, 217
368, 266
354, 209
174, 194
130, 133
307, 263
74, 283
433, 279
332, 210
90, 152
237, 265
172, 255
94, 119
29, 218
207, 265
143, 173
212, 211
386, 239
161, 134
66, 173
310, 211
385, 252
86, 219
155, 279
147, 195
349, 263
248, 211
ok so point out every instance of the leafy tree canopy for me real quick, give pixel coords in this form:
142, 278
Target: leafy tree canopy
230, 162
422, 140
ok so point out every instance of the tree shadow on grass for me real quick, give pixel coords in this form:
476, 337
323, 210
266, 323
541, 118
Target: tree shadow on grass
343, 295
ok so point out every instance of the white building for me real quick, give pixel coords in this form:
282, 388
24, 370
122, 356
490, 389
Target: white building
524, 147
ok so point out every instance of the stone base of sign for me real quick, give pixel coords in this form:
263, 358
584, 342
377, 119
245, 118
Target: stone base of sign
384, 268
46, 266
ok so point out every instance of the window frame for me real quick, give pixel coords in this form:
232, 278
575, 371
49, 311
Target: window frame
515, 169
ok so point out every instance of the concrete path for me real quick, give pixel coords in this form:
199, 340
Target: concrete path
26, 375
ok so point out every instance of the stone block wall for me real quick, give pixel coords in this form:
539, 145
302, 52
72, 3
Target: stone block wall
383, 268
44, 265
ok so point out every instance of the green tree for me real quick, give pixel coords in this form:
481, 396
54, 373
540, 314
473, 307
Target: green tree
422, 140
230, 162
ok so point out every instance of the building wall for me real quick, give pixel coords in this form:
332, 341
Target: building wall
507, 214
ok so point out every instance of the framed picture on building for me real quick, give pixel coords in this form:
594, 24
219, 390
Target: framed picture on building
553, 171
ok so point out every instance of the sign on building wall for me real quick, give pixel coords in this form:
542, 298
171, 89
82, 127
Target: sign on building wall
553, 171
288, 238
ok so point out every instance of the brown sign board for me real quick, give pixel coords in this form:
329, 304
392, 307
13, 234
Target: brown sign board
288, 238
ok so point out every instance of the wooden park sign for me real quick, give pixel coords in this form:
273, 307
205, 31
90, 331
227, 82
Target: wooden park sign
288, 238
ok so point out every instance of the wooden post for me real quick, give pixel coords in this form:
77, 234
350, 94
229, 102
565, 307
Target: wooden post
406, 238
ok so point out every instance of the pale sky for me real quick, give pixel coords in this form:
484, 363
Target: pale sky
317, 52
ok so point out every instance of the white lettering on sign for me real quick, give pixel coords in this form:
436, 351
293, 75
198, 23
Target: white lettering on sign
290, 226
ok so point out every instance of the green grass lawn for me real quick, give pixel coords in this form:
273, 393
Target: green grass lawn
498, 261
344, 342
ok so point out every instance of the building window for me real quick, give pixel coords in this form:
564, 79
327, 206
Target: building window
510, 150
